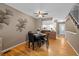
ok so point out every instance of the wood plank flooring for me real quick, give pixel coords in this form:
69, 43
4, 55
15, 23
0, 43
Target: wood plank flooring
58, 47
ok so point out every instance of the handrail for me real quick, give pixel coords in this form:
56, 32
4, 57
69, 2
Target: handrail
74, 20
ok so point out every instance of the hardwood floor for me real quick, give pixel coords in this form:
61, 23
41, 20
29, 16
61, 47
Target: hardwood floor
58, 47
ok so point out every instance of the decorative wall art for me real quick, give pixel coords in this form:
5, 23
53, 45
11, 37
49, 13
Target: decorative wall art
4, 17
21, 24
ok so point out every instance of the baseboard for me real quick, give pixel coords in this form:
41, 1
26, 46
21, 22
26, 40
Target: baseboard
12, 47
72, 48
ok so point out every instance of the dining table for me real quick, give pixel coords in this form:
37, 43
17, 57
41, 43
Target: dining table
40, 34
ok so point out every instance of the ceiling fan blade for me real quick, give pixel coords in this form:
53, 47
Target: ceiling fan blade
44, 13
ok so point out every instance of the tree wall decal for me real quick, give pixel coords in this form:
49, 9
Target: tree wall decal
21, 24
4, 16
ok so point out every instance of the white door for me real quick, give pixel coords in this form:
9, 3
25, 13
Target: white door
61, 28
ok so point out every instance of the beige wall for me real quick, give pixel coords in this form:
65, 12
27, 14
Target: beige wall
39, 24
0, 44
9, 34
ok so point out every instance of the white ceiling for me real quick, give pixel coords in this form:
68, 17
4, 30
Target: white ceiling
56, 10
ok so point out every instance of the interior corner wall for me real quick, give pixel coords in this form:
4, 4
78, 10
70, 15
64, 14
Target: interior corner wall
11, 37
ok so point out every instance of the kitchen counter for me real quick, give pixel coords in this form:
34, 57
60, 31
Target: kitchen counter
52, 34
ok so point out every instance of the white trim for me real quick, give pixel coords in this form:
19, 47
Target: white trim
71, 32
72, 48
12, 47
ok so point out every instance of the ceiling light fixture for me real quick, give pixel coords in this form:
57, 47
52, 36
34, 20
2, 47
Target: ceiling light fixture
40, 13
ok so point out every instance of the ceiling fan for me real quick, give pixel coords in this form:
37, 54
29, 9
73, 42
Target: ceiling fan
40, 13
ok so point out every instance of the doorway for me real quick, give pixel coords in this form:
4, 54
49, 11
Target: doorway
61, 29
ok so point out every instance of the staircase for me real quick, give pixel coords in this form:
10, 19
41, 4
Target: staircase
74, 20
72, 32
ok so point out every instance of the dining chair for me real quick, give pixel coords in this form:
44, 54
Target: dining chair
45, 39
32, 40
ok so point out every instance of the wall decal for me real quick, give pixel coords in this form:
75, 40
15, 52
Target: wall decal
21, 24
4, 16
